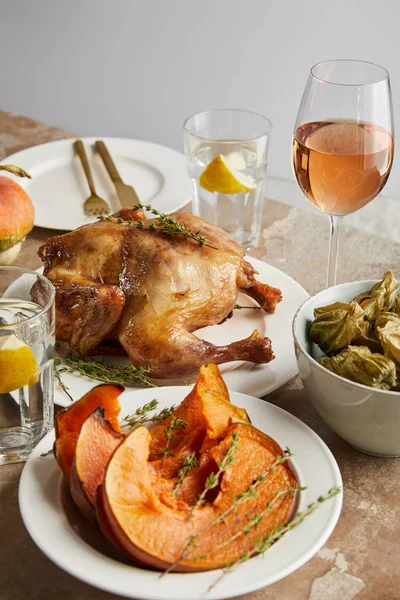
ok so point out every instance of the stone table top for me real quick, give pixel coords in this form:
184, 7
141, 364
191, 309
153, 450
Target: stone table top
361, 558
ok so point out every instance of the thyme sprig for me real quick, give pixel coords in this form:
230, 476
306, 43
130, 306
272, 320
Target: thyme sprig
57, 375
108, 373
142, 416
175, 425
237, 500
166, 225
264, 543
250, 492
189, 462
213, 479
44, 454
240, 307
250, 521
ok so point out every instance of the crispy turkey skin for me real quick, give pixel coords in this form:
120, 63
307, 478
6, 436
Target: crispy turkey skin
121, 288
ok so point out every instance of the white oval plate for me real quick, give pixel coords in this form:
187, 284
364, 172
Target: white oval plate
244, 377
58, 187
41, 505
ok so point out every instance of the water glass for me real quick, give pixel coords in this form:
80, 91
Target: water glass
27, 324
226, 153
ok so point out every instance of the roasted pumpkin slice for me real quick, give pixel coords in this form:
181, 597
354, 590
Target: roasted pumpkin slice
96, 442
169, 465
207, 405
148, 530
69, 421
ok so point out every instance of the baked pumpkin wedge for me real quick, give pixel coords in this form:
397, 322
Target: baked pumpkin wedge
69, 421
96, 442
153, 531
207, 405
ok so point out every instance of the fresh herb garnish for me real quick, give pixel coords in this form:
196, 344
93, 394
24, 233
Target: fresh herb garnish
213, 479
190, 461
108, 373
141, 415
239, 307
264, 543
248, 521
44, 454
166, 225
175, 425
57, 375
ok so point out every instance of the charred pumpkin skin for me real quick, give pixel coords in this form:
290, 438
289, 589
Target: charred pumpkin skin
69, 421
16, 213
133, 516
96, 442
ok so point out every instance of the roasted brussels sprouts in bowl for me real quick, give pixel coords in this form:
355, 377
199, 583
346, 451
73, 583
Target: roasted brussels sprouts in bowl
347, 342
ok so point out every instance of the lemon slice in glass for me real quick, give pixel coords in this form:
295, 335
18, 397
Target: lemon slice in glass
18, 365
222, 175
235, 161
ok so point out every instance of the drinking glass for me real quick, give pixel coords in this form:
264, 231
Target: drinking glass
27, 323
226, 153
343, 141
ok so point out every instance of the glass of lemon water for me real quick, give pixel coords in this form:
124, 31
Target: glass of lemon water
27, 323
226, 151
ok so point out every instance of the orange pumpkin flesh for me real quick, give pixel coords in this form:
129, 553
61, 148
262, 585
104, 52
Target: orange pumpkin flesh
69, 421
207, 405
153, 532
170, 465
208, 412
16, 213
96, 442
164, 472
100, 515
133, 487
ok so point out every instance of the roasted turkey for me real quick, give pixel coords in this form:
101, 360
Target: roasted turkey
125, 289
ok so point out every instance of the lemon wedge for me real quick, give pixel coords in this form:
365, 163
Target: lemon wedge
222, 175
18, 365
235, 161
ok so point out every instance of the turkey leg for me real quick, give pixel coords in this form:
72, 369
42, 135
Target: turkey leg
181, 353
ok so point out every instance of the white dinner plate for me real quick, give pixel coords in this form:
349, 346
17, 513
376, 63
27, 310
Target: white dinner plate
76, 547
244, 377
58, 187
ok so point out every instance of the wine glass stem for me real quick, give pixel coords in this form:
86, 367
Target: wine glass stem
335, 223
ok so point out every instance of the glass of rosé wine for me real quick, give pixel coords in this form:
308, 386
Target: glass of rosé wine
343, 141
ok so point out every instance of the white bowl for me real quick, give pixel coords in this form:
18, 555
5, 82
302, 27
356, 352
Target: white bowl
365, 417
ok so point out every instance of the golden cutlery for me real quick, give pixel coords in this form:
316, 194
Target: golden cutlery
94, 205
126, 194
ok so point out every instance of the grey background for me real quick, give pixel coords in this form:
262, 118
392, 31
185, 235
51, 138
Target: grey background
137, 68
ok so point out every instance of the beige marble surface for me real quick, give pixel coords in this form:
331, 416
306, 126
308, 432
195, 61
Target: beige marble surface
361, 558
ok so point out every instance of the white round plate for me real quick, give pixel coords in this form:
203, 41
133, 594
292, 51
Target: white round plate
42, 498
256, 380
58, 187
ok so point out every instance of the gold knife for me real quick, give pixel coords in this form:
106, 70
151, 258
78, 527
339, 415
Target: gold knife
126, 194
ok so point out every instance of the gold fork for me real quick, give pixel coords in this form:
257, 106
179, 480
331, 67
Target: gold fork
94, 205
